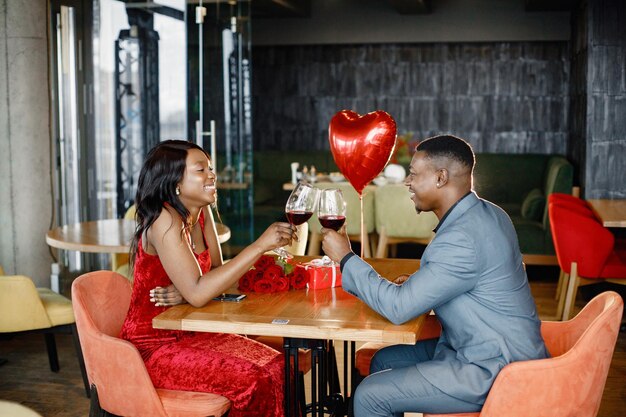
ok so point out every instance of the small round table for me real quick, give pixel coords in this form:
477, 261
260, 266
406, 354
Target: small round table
104, 236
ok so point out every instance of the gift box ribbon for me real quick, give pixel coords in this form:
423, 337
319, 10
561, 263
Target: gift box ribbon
325, 261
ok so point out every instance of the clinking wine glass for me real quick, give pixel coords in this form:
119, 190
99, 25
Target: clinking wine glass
300, 206
331, 210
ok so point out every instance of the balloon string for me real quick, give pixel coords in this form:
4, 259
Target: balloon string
363, 240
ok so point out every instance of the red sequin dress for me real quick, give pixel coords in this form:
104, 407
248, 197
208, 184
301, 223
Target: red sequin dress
248, 373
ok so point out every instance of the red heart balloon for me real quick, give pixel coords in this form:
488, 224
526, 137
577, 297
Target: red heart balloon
361, 145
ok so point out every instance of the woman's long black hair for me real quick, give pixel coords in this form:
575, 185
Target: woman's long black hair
161, 173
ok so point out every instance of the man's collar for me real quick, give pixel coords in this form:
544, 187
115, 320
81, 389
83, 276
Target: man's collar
445, 216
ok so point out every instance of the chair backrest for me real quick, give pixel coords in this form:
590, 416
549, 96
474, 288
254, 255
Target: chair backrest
298, 248
101, 300
395, 213
353, 208
20, 306
120, 259
558, 178
581, 239
572, 203
571, 382
567, 198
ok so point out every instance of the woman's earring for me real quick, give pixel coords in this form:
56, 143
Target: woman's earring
177, 190
438, 185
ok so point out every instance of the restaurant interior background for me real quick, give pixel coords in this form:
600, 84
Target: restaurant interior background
88, 86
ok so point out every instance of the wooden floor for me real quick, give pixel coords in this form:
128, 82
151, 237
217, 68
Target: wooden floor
26, 377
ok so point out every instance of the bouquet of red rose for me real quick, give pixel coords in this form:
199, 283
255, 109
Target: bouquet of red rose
270, 274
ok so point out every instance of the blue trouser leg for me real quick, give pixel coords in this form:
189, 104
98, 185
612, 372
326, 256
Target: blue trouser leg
395, 385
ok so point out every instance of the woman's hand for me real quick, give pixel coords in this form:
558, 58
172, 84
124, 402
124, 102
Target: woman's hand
277, 235
165, 297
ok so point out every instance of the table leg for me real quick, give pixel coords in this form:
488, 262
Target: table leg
322, 381
335, 400
319, 380
287, 346
345, 370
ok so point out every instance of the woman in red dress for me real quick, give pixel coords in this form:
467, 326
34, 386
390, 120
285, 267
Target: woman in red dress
176, 245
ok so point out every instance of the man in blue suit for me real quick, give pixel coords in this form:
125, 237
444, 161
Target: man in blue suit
471, 275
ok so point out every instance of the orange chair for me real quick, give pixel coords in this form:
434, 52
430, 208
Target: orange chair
119, 380
570, 383
586, 252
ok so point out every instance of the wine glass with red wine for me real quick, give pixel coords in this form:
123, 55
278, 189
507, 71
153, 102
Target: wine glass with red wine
300, 206
331, 210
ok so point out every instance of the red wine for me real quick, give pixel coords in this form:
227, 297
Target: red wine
297, 217
333, 222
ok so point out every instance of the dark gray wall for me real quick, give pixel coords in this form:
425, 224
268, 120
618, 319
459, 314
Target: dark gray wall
377, 21
604, 172
501, 96
577, 147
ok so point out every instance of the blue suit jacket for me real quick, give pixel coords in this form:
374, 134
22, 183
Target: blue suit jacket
472, 275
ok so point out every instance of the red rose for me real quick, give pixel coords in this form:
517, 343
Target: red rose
299, 278
256, 275
281, 284
273, 272
264, 261
263, 286
246, 282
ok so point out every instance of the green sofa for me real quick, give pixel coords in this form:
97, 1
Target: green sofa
519, 183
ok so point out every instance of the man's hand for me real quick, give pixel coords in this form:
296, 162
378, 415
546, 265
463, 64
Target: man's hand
400, 279
165, 297
335, 245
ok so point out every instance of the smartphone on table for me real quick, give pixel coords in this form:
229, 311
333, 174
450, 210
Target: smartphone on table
230, 297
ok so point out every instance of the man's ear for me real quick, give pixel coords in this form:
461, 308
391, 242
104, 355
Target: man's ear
442, 176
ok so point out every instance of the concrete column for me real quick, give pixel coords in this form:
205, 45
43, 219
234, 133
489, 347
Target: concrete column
25, 186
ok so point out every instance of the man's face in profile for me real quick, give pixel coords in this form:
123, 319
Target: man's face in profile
422, 182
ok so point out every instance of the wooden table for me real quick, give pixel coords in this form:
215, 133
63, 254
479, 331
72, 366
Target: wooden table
611, 212
103, 236
327, 314
330, 313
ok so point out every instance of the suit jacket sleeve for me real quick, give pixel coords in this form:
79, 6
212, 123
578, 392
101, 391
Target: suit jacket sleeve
448, 269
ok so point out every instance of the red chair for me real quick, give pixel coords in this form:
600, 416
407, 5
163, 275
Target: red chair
580, 206
567, 198
572, 203
119, 379
571, 382
585, 251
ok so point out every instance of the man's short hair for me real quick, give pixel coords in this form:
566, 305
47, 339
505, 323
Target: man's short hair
448, 146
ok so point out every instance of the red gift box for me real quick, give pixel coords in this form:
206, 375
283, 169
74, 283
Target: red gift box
322, 273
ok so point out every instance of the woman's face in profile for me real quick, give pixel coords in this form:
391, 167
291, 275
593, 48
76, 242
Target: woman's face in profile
197, 188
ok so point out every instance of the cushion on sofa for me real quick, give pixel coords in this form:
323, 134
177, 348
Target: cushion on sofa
533, 205
507, 178
531, 236
559, 178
